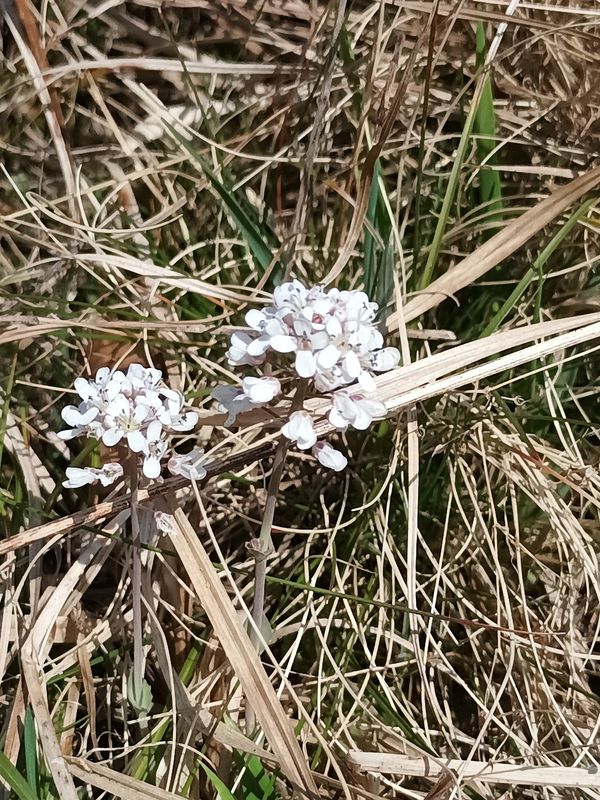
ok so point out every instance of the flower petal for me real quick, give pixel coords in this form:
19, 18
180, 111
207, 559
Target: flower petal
136, 441
328, 357
151, 468
352, 364
112, 436
255, 319
84, 388
283, 344
306, 364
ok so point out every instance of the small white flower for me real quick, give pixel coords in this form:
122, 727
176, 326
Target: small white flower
154, 448
188, 465
356, 410
253, 393
165, 523
261, 390
300, 429
329, 457
81, 476
133, 408
238, 351
385, 360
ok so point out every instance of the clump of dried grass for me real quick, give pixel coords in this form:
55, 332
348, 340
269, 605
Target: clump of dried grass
438, 604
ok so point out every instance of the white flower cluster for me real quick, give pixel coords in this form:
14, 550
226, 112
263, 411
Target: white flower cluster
333, 341
135, 409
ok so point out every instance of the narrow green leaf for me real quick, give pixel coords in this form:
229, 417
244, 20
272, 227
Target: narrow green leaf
222, 791
490, 189
242, 214
535, 271
256, 783
10, 774
30, 744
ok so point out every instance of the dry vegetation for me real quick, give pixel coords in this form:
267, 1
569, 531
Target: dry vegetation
433, 610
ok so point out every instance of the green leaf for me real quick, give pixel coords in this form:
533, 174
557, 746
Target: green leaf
140, 697
10, 774
256, 783
484, 126
222, 791
241, 212
30, 744
536, 269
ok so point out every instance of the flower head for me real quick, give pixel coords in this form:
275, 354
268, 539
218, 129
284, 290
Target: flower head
330, 340
330, 334
135, 409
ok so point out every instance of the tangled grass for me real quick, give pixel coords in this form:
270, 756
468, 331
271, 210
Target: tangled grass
432, 626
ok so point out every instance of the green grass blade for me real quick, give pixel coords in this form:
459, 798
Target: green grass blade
10, 774
452, 187
221, 789
256, 783
490, 189
30, 744
241, 212
535, 270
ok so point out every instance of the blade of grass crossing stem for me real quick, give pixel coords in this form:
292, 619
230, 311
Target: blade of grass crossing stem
243, 215
221, 789
11, 775
377, 262
451, 188
377, 265
31, 754
239, 650
5, 408
536, 268
146, 761
490, 189
255, 782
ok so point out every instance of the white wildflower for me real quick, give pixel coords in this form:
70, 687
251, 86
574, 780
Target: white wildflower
261, 390
300, 429
134, 409
81, 476
329, 457
188, 465
232, 400
253, 393
355, 410
165, 523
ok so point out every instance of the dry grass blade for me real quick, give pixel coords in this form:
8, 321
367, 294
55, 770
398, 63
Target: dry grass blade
115, 783
48, 100
238, 648
498, 247
390, 763
64, 525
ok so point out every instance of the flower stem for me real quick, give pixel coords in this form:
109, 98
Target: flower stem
136, 582
262, 547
